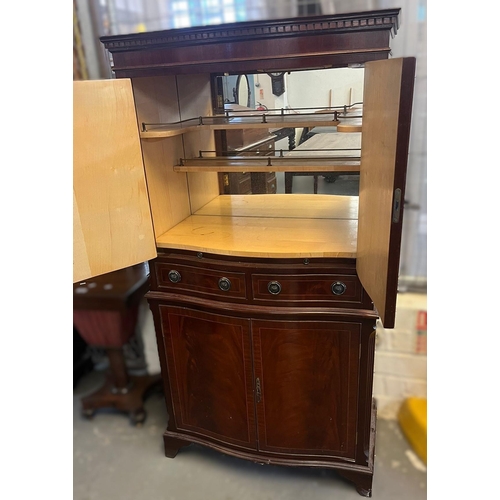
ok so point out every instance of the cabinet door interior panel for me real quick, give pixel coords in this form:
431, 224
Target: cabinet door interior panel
308, 374
81, 264
387, 108
109, 186
210, 373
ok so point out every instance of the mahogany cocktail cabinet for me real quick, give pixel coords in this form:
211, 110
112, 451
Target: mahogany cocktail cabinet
264, 305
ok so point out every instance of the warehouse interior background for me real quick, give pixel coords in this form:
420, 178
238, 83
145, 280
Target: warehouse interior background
99, 17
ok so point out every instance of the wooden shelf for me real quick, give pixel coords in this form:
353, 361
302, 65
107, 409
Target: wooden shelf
171, 131
324, 152
238, 122
350, 126
265, 226
268, 163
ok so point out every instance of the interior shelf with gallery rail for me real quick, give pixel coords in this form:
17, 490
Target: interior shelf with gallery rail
309, 160
345, 118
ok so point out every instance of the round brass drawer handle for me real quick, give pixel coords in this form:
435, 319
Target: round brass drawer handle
274, 287
174, 276
338, 288
225, 284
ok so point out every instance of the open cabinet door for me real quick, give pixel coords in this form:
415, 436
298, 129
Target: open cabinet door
387, 104
112, 225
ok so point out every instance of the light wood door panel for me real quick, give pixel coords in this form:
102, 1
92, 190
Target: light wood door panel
387, 105
112, 219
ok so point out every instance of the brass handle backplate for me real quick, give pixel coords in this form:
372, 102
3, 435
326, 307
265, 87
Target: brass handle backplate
338, 288
174, 276
225, 284
274, 287
258, 391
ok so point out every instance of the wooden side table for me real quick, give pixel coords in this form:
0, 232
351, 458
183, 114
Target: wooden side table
105, 311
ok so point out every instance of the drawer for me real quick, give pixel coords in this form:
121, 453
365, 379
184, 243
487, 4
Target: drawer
179, 278
306, 288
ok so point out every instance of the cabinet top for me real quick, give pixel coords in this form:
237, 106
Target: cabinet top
297, 43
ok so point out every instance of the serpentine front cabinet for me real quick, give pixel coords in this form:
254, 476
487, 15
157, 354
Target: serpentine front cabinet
265, 306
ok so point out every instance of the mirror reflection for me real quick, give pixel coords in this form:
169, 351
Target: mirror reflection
315, 91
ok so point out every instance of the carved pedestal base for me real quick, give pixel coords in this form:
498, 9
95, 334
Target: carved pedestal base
128, 400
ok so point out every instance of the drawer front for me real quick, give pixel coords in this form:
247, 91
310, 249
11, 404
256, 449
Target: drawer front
199, 281
306, 288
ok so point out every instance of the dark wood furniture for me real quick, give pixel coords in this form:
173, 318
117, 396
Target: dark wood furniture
270, 366
265, 306
105, 310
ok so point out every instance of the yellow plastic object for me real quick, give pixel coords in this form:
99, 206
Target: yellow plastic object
412, 418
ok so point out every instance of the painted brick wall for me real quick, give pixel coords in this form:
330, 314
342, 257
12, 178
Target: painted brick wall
401, 356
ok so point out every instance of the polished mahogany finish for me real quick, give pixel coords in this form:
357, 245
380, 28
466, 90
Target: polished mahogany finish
307, 364
200, 280
302, 281
297, 43
211, 377
278, 382
116, 291
269, 360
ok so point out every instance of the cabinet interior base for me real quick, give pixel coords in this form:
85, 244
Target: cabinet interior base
267, 226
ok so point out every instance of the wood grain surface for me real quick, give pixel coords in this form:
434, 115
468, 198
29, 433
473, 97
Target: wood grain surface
313, 206
209, 366
272, 121
310, 365
384, 156
113, 227
263, 236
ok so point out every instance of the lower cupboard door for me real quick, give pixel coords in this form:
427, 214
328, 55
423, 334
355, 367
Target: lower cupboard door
210, 374
306, 387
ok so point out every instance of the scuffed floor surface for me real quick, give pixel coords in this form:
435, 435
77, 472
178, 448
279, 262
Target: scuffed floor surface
113, 460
